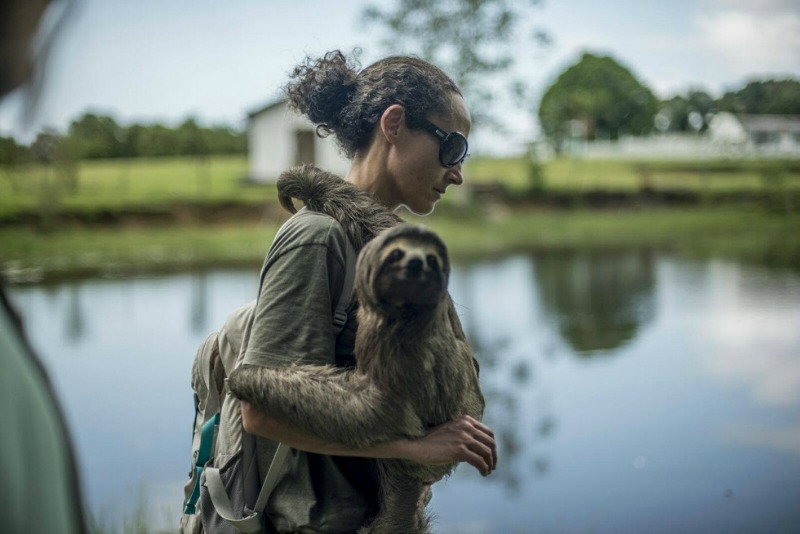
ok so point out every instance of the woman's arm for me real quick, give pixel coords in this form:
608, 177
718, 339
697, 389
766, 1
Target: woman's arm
461, 440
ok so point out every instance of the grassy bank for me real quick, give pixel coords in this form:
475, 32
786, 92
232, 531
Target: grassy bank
30, 256
103, 186
106, 189
117, 218
568, 175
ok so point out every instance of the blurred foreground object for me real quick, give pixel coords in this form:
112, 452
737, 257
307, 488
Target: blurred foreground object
40, 488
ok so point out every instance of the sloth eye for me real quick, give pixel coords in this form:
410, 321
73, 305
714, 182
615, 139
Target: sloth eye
433, 263
395, 256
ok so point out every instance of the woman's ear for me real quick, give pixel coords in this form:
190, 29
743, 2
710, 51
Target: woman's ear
392, 120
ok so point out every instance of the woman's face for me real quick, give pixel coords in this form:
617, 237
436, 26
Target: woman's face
419, 178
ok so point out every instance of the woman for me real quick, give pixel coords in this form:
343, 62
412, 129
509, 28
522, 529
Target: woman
398, 120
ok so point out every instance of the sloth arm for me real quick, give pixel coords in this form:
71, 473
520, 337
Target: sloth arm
327, 411
339, 406
463, 439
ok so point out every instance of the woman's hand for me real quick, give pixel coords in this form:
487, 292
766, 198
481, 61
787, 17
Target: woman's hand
464, 439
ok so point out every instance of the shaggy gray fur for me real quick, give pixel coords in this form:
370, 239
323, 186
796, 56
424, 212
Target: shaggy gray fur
414, 367
359, 214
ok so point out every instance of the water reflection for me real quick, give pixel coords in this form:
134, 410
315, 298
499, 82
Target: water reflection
588, 303
598, 300
74, 325
198, 308
694, 408
497, 303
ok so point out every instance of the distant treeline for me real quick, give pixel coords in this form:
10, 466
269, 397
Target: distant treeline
94, 136
599, 98
597, 91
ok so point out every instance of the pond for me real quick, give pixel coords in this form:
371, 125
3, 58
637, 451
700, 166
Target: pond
630, 391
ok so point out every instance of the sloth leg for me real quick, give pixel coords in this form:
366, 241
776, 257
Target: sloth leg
339, 406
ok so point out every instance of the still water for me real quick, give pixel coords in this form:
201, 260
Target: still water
631, 392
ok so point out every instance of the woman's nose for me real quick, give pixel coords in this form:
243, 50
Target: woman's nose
454, 176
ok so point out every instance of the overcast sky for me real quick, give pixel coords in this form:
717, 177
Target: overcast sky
165, 60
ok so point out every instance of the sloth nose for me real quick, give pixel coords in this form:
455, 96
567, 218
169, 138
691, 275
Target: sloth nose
414, 266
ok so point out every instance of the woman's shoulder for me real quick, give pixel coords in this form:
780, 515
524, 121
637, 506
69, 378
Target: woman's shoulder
308, 227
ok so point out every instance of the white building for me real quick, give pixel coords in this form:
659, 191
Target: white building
767, 135
728, 135
279, 138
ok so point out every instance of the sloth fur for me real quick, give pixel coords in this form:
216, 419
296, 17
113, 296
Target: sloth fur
414, 367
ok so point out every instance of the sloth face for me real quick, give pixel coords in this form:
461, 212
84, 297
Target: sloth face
412, 270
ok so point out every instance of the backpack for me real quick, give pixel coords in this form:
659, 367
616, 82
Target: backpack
232, 499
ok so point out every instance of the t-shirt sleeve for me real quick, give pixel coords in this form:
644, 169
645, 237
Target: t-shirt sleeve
302, 279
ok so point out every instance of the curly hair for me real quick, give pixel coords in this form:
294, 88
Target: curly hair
347, 102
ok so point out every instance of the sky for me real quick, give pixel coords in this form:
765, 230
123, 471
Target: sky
166, 60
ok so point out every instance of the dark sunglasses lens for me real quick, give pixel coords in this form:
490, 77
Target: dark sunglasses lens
453, 149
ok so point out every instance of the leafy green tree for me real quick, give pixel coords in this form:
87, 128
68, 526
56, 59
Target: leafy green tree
191, 139
130, 141
474, 41
45, 147
10, 151
11, 155
192, 142
224, 140
781, 97
684, 113
100, 136
156, 140
601, 94
97, 136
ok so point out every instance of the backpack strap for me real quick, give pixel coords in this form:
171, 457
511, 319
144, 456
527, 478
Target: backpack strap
207, 436
346, 297
222, 503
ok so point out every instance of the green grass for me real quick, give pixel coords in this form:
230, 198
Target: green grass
103, 185
752, 235
106, 186
29, 255
576, 175
152, 188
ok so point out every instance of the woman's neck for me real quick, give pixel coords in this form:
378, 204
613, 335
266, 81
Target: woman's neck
368, 173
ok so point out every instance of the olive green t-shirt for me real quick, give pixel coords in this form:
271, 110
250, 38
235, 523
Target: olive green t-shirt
302, 281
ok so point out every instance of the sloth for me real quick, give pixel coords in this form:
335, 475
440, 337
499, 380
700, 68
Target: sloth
414, 367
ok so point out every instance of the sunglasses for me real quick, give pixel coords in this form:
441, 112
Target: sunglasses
453, 146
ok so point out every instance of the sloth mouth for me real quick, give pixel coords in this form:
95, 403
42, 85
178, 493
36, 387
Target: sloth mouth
405, 286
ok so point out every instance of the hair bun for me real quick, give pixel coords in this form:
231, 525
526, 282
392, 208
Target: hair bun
321, 88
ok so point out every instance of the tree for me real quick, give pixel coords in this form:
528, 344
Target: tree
156, 140
474, 41
602, 95
224, 140
10, 152
684, 113
97, 136
45, 147
781, 97
191, 141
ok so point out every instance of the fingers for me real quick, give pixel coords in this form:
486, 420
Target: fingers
463, 439
486, 436
482, 447
478, 461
